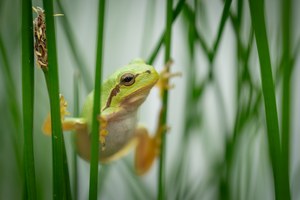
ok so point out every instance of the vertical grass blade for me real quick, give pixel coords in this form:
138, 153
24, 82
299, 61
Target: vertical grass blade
286, 94
61, 185
163, 120
80, 64
76, 83
159, 43
28, 97
224, 17
258, 22
96, 109
16, 136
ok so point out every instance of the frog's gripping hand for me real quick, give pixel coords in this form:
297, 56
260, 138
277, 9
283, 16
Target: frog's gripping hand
102, 131
165, 76
68, 124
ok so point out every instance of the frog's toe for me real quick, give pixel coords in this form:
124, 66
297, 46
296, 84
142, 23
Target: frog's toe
47, 125
165, 76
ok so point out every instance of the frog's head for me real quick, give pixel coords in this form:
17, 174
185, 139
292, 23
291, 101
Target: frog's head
132, 84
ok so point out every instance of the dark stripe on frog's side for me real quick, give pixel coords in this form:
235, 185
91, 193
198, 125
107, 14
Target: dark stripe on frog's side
113, 93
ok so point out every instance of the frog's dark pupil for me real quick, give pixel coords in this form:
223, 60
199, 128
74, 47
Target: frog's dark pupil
127, 79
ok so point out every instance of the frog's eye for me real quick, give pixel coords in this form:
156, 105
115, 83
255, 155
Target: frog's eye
127, 79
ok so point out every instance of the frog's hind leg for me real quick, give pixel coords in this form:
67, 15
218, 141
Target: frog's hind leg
68, 124
147, 149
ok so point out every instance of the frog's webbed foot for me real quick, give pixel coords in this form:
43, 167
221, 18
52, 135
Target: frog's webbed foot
68, 124
147, 149
102, 130
165, 76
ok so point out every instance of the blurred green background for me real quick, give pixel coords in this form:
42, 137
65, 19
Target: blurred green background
217, 147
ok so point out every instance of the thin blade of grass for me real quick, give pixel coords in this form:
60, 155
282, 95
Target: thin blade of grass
159, 43
80, 65
258, 22
163, 120
76, 82
190, 14
96, 106
225, 14
286, 95
61, 184
16, 136
28, 97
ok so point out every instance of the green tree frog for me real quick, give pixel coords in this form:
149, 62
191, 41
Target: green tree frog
121, 96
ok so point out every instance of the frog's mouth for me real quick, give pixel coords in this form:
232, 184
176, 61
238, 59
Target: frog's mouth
136, 98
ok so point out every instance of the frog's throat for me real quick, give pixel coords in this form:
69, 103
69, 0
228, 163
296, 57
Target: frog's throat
138, 97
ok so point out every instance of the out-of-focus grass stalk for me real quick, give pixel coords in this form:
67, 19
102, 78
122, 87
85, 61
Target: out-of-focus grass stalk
28, 97
61, 185
96, 106
163, 120
16, 136
211, 53
190, 14
135, 183
258, 22
76, 82
178, 180
286, 95
159, 43
225, 14
241, 66
81, 66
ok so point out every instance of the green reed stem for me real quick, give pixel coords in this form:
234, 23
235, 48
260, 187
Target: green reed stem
163, 119
258, 22
286, 95
96, 109
28, 97
80, 64
61, 189
161, 40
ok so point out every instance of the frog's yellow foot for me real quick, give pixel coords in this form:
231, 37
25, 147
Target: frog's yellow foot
47, 125
145, 152
68, 124
102, 131
165, 75
63, 112
147, 149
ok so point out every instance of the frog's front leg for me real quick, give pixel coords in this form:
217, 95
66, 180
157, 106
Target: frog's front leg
68, 124
102, 130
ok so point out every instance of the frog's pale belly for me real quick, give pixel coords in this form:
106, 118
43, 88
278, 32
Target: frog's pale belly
120, 132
